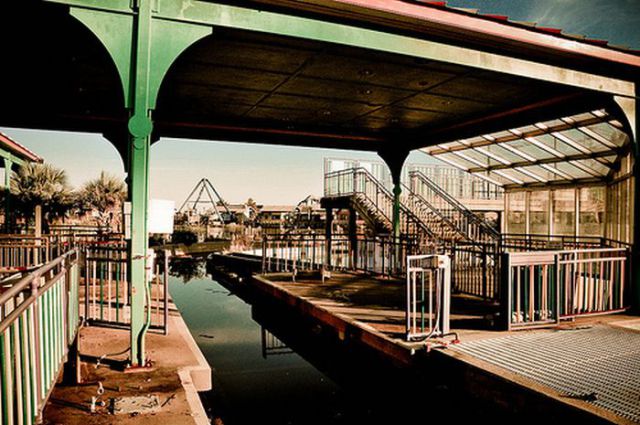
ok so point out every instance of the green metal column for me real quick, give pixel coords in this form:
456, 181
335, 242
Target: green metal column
397, 191
395, 160
8, 166
143, 49
140, 128
397, 251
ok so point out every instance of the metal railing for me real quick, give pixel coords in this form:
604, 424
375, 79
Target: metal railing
291, 252
39, 319
430, 217
106, 290
529, 242
428, 296
544, 287
376, 201
476, 269
24, 252
476, 266
468, 224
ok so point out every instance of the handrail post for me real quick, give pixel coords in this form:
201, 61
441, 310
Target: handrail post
264, 253
35, 283
484, 271
166, 291
505, 282
556, 263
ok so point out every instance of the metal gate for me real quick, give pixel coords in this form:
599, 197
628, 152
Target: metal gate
428, 296
106, 297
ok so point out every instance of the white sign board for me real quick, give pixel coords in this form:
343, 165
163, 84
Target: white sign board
160, 218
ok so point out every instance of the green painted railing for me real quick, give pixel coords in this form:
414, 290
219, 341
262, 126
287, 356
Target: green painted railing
39, 319
105, 293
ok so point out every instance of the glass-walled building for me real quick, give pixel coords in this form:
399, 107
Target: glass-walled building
571, 176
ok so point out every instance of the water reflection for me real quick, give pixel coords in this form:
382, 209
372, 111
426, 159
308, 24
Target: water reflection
320, 380
187, 268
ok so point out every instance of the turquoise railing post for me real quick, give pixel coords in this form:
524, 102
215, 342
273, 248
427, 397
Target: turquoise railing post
38, 319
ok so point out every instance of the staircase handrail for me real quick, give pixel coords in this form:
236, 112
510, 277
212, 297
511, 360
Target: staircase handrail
387, 194
434, 210
455, 203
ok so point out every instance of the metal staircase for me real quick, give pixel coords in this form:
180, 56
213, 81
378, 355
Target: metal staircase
426, 211
430, 216
374, 203
468, 225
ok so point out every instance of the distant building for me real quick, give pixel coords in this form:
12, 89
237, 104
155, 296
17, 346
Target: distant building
273, 218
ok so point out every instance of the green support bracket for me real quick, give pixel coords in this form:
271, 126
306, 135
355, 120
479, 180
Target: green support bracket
143, 48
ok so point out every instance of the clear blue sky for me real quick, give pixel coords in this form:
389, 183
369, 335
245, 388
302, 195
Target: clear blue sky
283, 175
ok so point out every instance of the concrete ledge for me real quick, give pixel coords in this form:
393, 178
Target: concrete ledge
200, 373
197, 409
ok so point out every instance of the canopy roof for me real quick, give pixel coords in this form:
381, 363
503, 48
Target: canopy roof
577, 149
15, 151
372, 75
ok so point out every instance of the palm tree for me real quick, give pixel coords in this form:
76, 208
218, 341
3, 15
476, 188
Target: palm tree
105, 196
41, 184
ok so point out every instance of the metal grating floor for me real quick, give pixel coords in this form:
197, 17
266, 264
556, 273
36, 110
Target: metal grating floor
600, 365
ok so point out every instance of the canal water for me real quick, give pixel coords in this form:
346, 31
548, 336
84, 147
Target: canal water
259, 378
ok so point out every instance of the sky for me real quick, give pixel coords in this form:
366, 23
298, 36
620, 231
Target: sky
286, 175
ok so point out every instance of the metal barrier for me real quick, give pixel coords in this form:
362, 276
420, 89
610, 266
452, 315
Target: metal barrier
38, 321
513, 242
382, 256
544, 287
476, 265
23, 252
428, 296
476, 269
106, 294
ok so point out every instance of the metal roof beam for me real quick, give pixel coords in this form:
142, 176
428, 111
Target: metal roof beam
512, 137
508, 177
585, 168
554, 160
555, 184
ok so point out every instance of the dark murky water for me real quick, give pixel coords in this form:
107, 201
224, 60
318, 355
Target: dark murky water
313, 379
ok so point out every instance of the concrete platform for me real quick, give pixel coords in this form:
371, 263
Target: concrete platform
179, 371
370, 311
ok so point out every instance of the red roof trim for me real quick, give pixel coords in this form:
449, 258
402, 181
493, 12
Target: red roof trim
555, 31
496, 17
550, 38
18, 149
